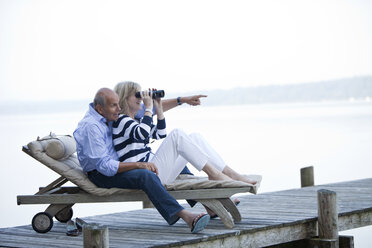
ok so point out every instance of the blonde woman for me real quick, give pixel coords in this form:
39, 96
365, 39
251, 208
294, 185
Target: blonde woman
131, 137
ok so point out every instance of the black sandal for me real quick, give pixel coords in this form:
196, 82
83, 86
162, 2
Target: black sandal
199, 223
71, 229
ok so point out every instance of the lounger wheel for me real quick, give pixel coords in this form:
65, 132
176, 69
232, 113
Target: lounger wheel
42, 222
64, 215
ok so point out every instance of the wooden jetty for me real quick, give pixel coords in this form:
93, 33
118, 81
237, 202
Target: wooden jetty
268, 219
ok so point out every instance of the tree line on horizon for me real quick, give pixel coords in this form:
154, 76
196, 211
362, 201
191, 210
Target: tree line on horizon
359, 88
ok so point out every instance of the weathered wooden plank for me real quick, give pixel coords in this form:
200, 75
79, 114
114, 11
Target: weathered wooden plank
355, 219
267, 219
261, 237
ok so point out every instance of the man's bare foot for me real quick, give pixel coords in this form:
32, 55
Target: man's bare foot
189, 217
199, 223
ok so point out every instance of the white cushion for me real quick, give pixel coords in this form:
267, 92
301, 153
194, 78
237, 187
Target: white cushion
61, 147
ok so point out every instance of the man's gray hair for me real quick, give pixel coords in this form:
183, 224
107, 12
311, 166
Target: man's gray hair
100, 98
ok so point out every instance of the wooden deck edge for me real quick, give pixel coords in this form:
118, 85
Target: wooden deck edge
277, 234
355, 219
264, 237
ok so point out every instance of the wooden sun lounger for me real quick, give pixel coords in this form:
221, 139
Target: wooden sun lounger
61, 200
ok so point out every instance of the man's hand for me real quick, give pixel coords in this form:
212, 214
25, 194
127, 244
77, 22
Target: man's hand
148, 166
192, 100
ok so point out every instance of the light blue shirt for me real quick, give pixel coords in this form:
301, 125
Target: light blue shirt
94, 144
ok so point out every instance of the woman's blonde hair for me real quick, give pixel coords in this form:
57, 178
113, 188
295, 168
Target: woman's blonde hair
124, 90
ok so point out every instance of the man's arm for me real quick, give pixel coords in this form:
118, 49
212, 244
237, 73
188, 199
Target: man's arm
174, 102
127, 166
92, 150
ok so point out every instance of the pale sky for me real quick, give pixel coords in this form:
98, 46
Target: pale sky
69, 49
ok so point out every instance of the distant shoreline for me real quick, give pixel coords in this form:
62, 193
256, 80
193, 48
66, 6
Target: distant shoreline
358, 89
349, 89
62, 108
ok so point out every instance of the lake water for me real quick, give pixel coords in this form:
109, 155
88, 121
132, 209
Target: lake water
273, 140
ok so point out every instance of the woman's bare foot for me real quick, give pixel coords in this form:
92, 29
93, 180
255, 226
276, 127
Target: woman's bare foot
219, 177
236, 176
245, 179
214, 174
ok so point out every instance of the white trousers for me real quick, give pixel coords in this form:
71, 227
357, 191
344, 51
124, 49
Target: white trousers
178, 148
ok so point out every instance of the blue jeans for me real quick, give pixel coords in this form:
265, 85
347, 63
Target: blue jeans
147, 181
186, 171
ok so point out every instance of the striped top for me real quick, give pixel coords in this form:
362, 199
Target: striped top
131, 137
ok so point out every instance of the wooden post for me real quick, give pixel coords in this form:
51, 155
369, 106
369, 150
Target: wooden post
328, 216
307, 176
95, 236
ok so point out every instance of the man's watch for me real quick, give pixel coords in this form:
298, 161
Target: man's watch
179, 100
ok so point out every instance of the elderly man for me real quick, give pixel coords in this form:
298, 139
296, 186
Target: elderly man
99, 160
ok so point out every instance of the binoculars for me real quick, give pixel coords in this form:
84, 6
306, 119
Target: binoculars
155, 94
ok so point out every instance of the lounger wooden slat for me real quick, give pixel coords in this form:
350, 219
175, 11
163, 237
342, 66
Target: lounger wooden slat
134, 195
